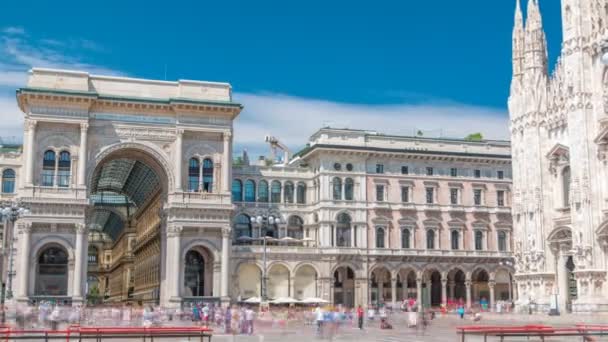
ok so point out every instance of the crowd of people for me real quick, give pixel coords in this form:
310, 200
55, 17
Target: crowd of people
234, 319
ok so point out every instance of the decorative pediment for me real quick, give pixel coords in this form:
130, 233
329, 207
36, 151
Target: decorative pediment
558, 156
381, 220
456, 223
407, 221
480, 224
431, 223
503, 225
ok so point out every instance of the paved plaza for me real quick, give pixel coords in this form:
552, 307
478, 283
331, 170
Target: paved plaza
441, 329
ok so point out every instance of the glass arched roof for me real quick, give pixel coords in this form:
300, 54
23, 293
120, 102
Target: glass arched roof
120, 183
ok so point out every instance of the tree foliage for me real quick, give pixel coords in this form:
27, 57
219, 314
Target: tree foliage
474, 137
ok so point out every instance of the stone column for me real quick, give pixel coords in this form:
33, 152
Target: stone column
82, 158
225, 262
468, 284
79, 263
179, 134
419, 293
227, 162
444, 292
353, 231
491, 285
562, 279
30, 149
24, 260
175, 266
394, 291
451, 286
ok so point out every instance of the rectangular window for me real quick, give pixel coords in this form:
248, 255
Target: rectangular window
380, 193
477, 196
454, 195
500, 174
429, 171
430, 195
379, 168
477, 173
454, 172
500, 198
405, 194
405, 170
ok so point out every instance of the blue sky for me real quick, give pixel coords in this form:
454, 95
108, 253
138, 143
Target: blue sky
441, 66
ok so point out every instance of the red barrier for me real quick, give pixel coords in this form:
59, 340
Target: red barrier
7, 332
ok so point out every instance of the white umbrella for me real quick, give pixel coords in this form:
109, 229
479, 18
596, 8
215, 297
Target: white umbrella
253, 300
313, 300
284, 300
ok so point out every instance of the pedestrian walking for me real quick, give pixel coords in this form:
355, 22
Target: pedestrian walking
360, 317
249, 316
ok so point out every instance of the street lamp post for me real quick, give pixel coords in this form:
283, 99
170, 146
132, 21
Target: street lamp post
263, 221
10, 213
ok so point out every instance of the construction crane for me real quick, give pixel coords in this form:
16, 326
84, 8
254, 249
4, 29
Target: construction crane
275, 145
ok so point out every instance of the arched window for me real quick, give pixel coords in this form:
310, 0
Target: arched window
478, 240
263, 191
64, 169
194, 274
249, 191
52, 272
295, 227
193, 174
566, 177
237, 191
349, 186
430, 239
337, 182
242, 226
455, 237
207, 175
48, 168
92, 255
288, 192
343, 230
8, 181
380, 237
275, 192
405, 238
301, 193
502, 241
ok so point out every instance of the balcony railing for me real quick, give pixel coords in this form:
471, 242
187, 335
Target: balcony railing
199, 198
371, 252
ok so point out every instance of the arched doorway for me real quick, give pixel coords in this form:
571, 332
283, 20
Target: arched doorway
431, 288
127, 189
344, 286
278, 281
406, 284
481, 290
249, 281
457, 290
197, 275
305, 283
52, 272
380, 285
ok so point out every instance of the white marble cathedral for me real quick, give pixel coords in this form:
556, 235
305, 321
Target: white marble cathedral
559, 132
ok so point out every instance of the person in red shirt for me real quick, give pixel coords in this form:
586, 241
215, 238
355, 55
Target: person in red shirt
360, 316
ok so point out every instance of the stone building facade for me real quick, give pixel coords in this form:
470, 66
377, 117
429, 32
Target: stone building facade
134, 198
558, 135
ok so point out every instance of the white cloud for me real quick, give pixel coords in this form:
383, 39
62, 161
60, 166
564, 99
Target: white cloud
294, 119
19, 53
13, 30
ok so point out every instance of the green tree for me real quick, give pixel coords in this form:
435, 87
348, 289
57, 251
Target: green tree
474, 137
238, 161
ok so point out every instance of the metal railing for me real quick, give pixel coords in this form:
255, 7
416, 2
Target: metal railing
79, 333
584, 331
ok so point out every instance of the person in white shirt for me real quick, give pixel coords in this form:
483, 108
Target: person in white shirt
319, 315
249, 315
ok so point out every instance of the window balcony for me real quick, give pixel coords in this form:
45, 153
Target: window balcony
200, 198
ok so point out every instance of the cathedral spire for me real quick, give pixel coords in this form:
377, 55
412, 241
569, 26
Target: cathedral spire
535, 40
518, 42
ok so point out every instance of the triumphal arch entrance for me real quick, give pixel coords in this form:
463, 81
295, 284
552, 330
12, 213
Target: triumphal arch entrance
128, 186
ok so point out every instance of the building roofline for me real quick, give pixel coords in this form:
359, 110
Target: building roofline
96, 95
377, 134
304, 152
